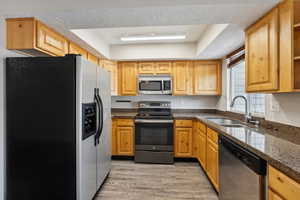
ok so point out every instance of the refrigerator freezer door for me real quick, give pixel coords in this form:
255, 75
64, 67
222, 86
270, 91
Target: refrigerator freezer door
40, 128
104, 146
86, 149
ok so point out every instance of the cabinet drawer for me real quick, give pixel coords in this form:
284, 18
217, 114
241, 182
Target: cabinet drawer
213, 135
183, 123
125, 122
283, 185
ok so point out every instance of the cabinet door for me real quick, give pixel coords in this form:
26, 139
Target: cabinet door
114, 78
50, 41
274, 196
202, 150
146, 68
183, 141
114, 138
163, 67
207, 77
92, 58
195, 141
125, 141
212, 163
182, 78
75, 49
262, 54
128, 77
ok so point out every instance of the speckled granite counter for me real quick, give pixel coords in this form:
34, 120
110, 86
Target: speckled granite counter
281, 152
278, 152
123, 115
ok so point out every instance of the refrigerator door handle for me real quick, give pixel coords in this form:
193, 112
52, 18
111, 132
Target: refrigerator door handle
101, 118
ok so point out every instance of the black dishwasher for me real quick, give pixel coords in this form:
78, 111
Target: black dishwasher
242, 173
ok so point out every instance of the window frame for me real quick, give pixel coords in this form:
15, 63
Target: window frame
247, 95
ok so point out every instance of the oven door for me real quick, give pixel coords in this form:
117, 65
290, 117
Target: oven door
154, 135
150, 87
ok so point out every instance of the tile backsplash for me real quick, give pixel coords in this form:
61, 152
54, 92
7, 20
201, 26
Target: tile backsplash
178, 102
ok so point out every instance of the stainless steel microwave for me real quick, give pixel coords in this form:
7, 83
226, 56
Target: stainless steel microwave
160, 84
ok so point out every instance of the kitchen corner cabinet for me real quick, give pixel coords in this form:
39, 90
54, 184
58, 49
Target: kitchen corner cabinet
75, 49
262, 42
123, 137
183, 138
31, 37
128, 78
282, 186
182, 78
207, 77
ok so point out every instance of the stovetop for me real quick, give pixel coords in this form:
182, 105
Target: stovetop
149, 116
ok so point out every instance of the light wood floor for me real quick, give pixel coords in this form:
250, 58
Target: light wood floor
181, 181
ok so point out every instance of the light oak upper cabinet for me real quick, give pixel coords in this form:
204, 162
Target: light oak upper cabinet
182, 78
262, 54
92, 58
75, 49
207, 77
163, 67
32, 37
128, 76
112, 67
147, 68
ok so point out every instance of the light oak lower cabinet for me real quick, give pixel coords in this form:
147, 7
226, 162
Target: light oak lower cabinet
123, 137
282, 186
212, 162
183, 138
202, 149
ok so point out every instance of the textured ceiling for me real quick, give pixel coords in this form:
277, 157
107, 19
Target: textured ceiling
65, 15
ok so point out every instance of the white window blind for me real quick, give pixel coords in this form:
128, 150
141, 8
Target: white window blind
237, 87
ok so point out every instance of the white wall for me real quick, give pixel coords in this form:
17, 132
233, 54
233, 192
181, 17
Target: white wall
3, 53
153, 51
178, 102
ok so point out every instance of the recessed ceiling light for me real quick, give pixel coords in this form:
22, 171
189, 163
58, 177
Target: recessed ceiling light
149, 38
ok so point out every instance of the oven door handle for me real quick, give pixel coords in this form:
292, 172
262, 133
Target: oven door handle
152, 121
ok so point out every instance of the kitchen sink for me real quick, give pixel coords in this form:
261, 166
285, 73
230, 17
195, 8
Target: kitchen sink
224, 121
227, 122
233, 125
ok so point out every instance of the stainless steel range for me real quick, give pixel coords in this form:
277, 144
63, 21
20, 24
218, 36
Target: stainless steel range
154, 133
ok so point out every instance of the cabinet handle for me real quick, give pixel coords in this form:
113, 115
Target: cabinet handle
280, 179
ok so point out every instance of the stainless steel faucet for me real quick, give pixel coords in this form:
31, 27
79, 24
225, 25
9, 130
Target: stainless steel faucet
248, 117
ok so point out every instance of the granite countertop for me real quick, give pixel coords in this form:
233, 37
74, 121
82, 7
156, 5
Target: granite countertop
279, 152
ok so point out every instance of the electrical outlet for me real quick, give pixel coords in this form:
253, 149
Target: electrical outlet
274, 107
